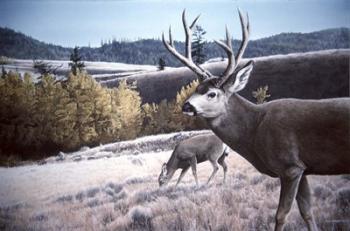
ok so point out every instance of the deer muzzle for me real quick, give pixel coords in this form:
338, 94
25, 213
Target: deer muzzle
188, 109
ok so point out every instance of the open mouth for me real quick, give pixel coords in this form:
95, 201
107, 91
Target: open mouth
189, 113
188, 109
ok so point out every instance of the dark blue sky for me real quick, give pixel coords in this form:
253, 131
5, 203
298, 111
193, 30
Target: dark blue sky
83, 22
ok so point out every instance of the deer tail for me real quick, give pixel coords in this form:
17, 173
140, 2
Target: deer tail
225, 149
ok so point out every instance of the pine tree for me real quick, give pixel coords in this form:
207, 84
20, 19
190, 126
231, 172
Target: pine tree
198, 43
3, 72
45, 68
161, 64
76, 64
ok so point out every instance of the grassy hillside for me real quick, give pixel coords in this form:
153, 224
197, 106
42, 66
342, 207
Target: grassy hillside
113, 192
313, 75
148, 51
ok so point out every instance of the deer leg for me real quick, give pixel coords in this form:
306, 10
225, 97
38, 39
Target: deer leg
221, 161
289, 187
304, 204
215, 169
183, 172
194, 169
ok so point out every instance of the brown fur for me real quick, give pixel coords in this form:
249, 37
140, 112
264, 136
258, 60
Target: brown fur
194, 150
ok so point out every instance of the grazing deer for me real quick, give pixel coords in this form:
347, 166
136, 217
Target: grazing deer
191, 151
286, 138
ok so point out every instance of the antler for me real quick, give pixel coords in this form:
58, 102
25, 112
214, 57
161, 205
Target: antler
202, 74
227, 46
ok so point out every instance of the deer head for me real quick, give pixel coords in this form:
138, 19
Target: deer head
213, 92
163, 176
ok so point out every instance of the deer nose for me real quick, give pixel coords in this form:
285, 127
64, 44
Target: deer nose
188, 109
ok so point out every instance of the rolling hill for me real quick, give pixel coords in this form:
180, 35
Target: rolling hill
148, 51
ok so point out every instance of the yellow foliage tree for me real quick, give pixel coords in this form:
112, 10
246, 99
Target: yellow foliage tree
182, 121
128, 102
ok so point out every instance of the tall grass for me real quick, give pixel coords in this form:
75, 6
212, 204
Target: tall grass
248, 201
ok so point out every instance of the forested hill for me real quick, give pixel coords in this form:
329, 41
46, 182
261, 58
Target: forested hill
148, 51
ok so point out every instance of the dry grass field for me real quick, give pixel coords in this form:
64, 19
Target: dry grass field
122, 193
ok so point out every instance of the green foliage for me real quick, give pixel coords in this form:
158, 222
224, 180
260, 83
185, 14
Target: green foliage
261, 94
198, 45
76, 64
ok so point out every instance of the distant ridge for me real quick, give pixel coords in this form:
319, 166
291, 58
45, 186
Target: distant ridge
148, 51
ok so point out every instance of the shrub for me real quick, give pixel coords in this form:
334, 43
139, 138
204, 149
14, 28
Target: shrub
141, 218
261, 94
4, 60
343, 200
92, 192
167, 116
321, 192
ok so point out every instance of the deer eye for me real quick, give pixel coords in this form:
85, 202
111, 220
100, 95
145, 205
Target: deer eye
212, 95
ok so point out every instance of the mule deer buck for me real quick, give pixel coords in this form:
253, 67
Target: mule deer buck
286, 138
191, 151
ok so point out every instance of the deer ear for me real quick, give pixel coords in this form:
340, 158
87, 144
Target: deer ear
242, 77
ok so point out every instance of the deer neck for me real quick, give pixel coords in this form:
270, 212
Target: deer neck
172, 165
236, 126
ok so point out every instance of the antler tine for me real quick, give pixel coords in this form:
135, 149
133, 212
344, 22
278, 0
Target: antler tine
201, 73
231, 59
171, 42
188, 34
234, 61
245, 35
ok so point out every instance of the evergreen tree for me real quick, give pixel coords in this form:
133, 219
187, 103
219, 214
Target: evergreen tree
3, 72
45, 68
76, 64
198, 43
161, 64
